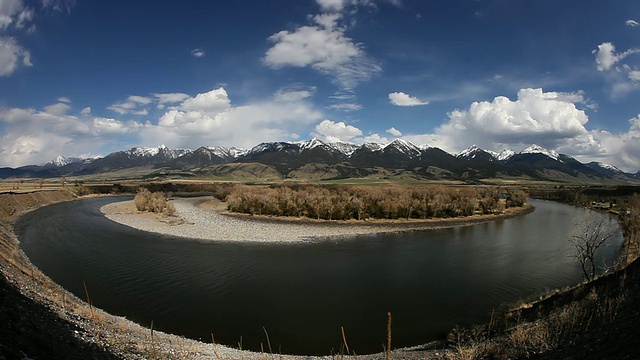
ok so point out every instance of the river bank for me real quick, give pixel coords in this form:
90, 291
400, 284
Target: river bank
45, 321
206, 218
42, 320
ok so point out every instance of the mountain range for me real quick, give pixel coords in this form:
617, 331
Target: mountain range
318, 160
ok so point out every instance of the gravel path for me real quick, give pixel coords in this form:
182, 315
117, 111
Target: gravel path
207, 223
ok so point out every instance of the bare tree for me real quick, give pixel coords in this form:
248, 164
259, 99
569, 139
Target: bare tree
588, 237
631, 225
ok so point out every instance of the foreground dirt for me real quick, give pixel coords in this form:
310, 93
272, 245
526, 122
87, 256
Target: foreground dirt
40, 320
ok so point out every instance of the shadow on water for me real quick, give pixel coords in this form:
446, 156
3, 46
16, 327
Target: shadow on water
303, 293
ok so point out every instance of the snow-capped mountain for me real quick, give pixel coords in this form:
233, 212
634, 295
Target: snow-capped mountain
403, 147
605, 166
475, 153
536, 149
505, 154
342, 160
61, 161
344, 148
161, 151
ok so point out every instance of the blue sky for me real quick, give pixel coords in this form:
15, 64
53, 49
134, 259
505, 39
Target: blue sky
80, 78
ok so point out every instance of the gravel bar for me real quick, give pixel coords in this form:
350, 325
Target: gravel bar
205, 223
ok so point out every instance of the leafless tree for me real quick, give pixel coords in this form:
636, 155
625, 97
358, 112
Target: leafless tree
590, 235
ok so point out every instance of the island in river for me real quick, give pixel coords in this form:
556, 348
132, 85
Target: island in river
206, 218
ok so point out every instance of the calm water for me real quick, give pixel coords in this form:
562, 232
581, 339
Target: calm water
303, 293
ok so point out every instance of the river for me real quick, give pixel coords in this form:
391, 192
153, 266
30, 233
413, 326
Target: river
303, 293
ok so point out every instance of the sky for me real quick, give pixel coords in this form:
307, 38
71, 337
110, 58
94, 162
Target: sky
86, 78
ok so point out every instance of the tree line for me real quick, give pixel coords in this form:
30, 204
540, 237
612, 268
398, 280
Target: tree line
370, 202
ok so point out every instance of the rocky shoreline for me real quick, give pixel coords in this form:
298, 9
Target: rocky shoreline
205, 218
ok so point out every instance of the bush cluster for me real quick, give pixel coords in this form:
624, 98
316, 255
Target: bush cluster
156, 202
360, 202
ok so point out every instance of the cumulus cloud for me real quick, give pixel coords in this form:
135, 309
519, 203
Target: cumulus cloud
324, 47
402, 99
210, 118
213, 101
332, 131
534, 117
606, 56
621, 150
109, 126
550, 119
631, 23
393, 131
12, 55
36, 136
86, 111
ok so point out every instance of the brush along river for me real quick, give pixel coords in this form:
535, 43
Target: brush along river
302, 292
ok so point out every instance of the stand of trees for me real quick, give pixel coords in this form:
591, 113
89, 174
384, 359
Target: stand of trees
156, 202
368, 202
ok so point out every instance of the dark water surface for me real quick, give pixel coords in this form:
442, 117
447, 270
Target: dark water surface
302, 293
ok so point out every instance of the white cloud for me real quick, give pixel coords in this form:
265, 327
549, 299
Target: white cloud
131, 105
35, 137
109, 126
215, 100
64, 99
393, 131
11, 55
402, 99
171, 98
331, 5
332, 131
210, 119
606, 56
373, 138
544, 118
10, 12
631, 23
324, 47
85, 111
346, 107
57, 109
634, 75
621, 150
292, 95
198, 53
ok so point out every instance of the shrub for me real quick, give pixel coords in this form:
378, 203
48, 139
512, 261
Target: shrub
155, 202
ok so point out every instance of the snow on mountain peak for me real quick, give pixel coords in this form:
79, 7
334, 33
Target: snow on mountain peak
313, 143
469, 151
60, 161
536, 149
608, 167
404, 146
505, 154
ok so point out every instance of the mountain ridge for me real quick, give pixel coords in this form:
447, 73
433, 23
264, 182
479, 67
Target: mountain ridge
344, 160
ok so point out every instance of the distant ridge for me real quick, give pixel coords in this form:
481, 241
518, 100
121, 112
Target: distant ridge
316, 159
